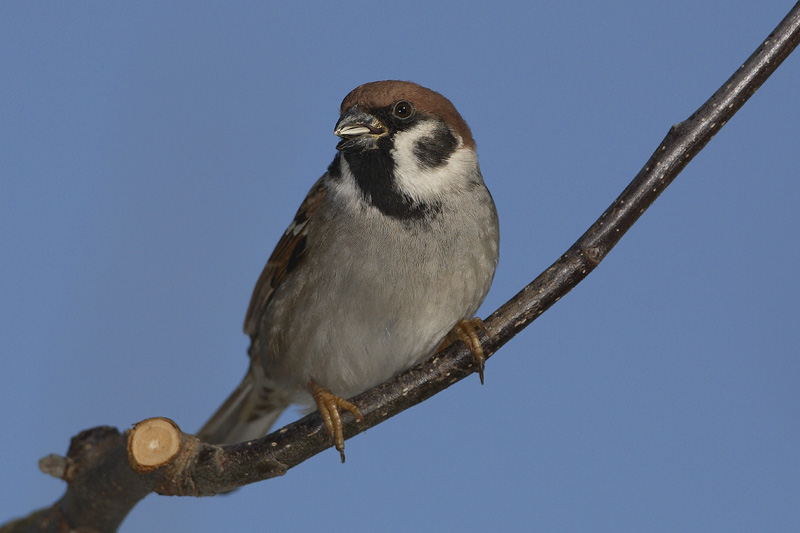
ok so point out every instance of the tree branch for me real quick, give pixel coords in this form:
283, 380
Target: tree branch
106, 475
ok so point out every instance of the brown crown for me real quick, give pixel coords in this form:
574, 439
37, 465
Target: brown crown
379, 94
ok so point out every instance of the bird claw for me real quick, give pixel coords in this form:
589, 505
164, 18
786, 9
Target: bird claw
329, 405
466, 331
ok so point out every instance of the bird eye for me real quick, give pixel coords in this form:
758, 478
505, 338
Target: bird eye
403, 109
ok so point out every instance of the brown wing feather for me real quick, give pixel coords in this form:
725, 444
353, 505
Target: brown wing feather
287, 255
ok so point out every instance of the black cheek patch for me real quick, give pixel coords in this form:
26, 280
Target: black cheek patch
435, 149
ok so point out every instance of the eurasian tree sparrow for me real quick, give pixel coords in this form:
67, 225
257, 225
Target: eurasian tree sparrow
395, 246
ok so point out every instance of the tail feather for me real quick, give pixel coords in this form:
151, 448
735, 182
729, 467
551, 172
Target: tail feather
247, 414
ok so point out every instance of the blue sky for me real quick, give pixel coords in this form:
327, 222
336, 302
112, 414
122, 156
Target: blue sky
152, 154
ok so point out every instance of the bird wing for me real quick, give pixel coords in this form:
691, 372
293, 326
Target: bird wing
286, 256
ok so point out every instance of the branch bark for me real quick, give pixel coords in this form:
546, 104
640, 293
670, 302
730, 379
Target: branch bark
105, 478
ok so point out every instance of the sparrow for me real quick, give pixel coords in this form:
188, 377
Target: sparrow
388, 258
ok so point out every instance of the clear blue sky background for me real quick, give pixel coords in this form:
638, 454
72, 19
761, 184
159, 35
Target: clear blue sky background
151, 155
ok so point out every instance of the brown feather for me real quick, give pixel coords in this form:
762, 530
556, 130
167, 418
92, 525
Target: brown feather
378, 94
288, 253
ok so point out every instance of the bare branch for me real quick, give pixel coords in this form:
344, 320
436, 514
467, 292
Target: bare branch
103, 486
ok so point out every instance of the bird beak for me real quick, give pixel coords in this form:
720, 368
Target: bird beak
358, 130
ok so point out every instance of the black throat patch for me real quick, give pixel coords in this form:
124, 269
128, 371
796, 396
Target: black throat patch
373, 171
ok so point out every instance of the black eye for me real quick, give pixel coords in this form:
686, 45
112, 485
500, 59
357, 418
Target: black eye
403, 109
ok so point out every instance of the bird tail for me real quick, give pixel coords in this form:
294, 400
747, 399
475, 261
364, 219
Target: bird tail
247, 414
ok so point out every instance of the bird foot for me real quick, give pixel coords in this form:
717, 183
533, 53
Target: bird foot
466, 331
329, 405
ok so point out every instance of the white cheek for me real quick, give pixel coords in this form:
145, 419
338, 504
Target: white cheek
345, 189
425, 183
